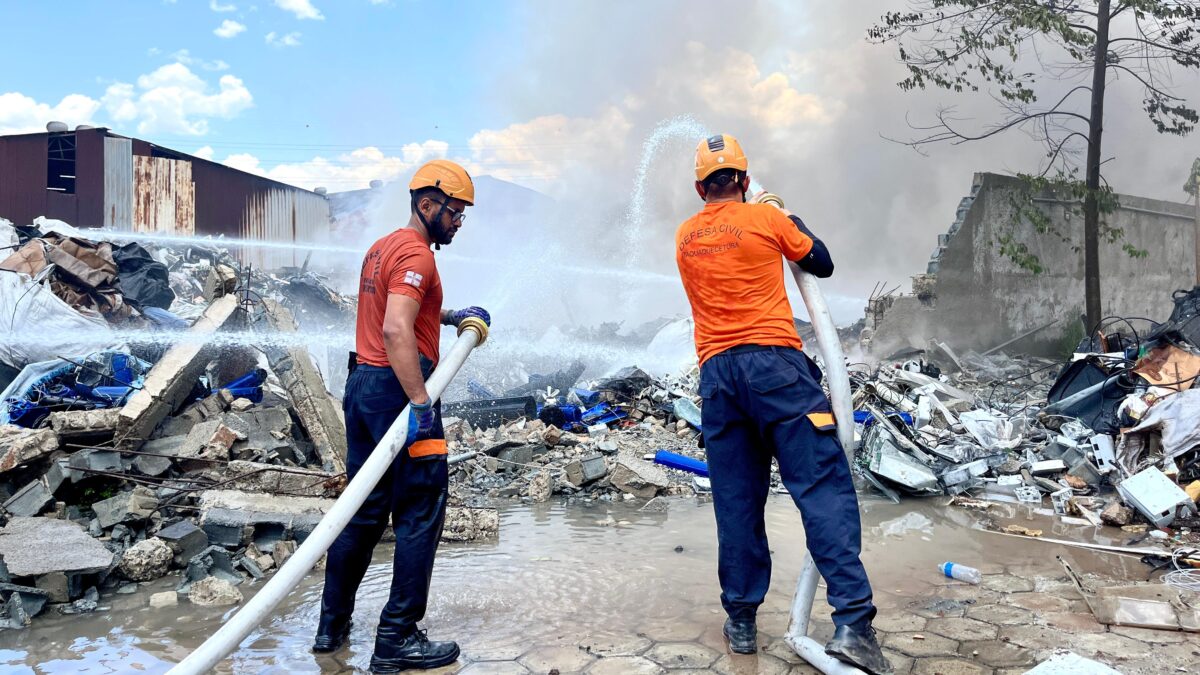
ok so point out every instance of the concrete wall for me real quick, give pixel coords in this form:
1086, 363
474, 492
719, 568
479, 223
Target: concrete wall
983, 298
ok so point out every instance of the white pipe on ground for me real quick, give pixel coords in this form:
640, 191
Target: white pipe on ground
229, 636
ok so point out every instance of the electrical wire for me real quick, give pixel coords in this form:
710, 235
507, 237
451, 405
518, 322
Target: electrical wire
1184, 579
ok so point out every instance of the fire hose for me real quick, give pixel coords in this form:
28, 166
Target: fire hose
472, 332
838, 378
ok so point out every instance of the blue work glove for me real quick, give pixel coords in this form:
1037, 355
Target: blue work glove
456, 317
421, 421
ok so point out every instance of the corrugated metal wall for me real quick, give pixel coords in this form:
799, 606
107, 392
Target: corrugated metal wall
279, 215
165, 196
118, 183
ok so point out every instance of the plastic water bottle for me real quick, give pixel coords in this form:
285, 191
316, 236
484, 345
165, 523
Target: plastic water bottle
961, 572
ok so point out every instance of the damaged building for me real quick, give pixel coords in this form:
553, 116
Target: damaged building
93, 178
972, 297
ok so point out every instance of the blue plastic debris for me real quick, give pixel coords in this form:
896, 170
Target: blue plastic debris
675, 460
565, 417
102, 380
477, 390
586, 396
865, 418
603, 414
248, 386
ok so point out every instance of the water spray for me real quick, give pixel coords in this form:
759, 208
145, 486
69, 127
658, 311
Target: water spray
838, 377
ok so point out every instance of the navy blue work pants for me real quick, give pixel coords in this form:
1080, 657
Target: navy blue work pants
412, 492
757, 405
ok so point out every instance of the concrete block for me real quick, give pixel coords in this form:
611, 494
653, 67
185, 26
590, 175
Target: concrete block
583, 471
74, 425
318, 412
126, 507
30, 500
283, 550
206, 445
171, 379
20, 446
185, 539
222, 280
639, 477
263, 432
24, 603
82, 464
32, 547
55, 585
227, 515
214, 592
257, 477
213, 561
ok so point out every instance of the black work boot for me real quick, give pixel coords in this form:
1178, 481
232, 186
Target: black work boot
858, 646
742, 636
415, 651
331, 634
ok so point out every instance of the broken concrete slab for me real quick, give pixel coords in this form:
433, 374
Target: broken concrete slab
22, 604
469, 524
74, 425
541, 487
283, 551
170, 381
638, 477
185, 539
30, 500
318, 412
258, 477
206, 444
86, 463
263, 432
126, 507
32, 547
213, 561
209, 407
19, 445
233, 518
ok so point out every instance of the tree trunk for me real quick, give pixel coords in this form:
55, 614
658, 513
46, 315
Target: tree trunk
1091, 207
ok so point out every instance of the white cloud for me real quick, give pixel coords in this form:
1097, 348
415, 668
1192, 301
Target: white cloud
303, 9
216, 6
205, 152
20, 114
730, 83
290, 40
539, 152
173, 99
229, 28
185, 57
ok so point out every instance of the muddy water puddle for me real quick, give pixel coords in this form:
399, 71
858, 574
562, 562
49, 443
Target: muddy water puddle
602, 576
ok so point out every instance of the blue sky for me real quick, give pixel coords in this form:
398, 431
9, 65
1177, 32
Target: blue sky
362, 74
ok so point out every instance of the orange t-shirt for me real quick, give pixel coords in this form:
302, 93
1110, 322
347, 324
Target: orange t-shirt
729, 256
400, 263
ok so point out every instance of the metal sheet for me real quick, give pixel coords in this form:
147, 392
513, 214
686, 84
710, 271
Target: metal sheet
118, 183
165, 196
283, 215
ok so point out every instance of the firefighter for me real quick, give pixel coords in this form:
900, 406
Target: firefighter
763, 399
399, 323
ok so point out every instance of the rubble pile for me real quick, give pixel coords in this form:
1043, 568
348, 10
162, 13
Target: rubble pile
1112, 436
199, 441
625, 437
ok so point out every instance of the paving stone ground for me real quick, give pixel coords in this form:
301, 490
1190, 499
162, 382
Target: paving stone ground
1002, 627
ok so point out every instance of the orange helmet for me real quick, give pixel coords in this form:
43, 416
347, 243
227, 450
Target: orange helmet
719, 152
447, 176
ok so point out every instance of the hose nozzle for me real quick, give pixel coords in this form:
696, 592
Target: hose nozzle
476, 324
769, 198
